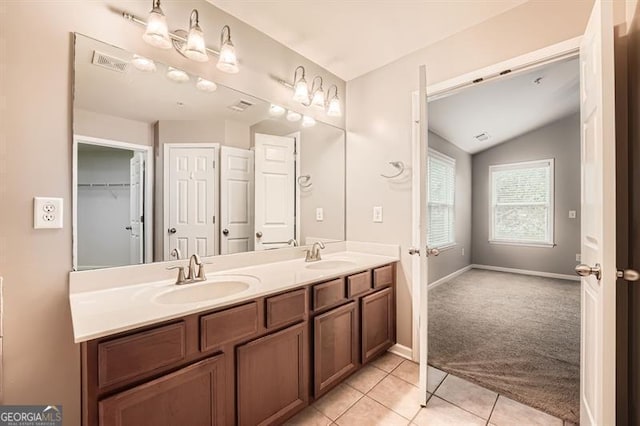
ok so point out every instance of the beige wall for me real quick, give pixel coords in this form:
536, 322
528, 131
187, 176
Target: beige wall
94, 124
41, 363
379, 117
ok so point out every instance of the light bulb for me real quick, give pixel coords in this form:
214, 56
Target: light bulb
157, 32
195, 47
334, 109
228, 62
276, 110
308, 121
177, 75
318, 98
143, 64
293, 116
206, 85
301, 91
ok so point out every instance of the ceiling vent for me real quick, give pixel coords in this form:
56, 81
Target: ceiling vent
482, 137
241, 106
109, 62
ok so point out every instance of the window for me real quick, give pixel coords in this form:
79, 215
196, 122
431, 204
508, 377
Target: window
521, 203
442, 185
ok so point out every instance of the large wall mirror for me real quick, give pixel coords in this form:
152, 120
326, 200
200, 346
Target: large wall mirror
167, 165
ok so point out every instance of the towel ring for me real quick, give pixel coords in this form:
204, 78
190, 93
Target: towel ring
398, 165
305, 181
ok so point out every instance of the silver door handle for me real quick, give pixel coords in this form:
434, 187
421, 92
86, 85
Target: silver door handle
128, 228
628, 274
414, 251
259, 234
586, 270
172, 230
225, 232
433, 252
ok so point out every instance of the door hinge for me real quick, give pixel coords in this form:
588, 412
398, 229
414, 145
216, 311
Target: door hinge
214, 219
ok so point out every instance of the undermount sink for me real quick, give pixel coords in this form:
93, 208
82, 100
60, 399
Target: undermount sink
214, 288
330, 264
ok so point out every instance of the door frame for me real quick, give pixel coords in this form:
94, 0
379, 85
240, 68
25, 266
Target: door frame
165, 192
552, 53
148, 190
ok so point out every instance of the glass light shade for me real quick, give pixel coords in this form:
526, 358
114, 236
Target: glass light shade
308, 121
334, 109
318, 98
301, 91
195, 47
206, 85
143, 64
157, 32
276, 110
293, 116
177, 75
227, 61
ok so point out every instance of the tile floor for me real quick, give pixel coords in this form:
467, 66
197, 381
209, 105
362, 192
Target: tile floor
386, 393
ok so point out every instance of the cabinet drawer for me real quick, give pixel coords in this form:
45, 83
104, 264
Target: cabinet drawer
328, 294
127, 357
358, 283
225, 326
287, 308
383, 276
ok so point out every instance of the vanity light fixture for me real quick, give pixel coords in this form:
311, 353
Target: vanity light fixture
276, 110
143, 64
206, 85
195, 47
333, 109
227, 60
293, 116
157, 32
308, 121
177, 75
300, 88
317, 99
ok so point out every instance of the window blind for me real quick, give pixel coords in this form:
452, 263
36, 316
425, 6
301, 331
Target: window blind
441, 203
522, 202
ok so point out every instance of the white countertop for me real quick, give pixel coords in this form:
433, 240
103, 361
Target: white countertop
107, 311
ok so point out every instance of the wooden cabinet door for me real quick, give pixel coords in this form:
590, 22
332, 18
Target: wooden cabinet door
335, 346
273, 376
378, 323
193, 395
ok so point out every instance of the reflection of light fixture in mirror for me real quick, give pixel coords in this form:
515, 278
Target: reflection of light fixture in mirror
227, 60
308, 121
177, 75
206, 85
300, 88
195, 47
143, 64
157, 32
317, 99
293, 116
276, 110
334, 109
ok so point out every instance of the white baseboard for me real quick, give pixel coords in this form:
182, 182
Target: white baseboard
450, 276
526, 272
402, 351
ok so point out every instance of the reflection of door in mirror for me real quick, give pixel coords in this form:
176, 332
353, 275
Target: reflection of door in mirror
190, 195
110, 203
275, 191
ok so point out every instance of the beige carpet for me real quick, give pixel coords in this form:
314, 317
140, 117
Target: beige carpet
515, 334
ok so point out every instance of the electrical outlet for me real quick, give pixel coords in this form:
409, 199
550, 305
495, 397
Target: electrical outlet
578, 257
572, 214
319, 214
47, 213
377, 214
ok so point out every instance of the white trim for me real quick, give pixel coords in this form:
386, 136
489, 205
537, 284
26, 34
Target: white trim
148, 190
297, 136
415, 220
526, 272
449, 277
402, 351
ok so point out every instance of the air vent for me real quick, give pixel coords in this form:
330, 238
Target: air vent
109, 62
241, 106
482, 137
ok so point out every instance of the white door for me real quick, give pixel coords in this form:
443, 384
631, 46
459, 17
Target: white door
191, 200
598, 340
236, 200
136, 208
275, 191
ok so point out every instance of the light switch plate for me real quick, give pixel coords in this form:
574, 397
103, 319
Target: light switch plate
319, 214
47, 213
377, 214
572, 214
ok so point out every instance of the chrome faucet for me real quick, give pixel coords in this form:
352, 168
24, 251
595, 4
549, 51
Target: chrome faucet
313, 254
293, 242
191, 276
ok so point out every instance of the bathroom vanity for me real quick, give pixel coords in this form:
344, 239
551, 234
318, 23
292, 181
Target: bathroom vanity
257, 356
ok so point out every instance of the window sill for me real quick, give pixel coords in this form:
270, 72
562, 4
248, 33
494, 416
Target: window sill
522, 244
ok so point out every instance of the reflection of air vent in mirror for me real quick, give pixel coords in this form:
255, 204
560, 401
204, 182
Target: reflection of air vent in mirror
482, 137
240, 106
109, 62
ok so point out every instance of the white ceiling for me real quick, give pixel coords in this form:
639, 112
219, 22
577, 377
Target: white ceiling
352, 37
508, 107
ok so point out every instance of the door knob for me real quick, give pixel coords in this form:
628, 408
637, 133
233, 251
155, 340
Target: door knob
414, 251
628, 274
433, 252
259, 234
172, 230
128, 228
225, 232
586, 270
